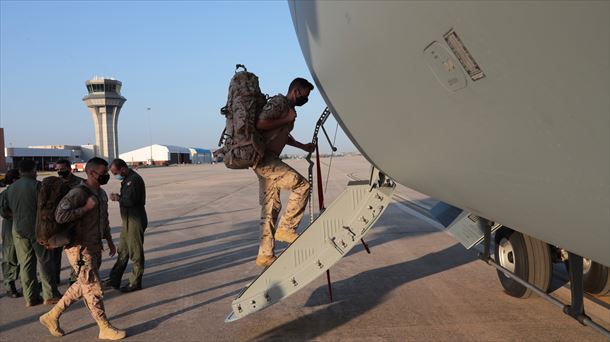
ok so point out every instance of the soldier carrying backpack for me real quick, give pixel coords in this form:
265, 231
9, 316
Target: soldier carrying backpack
255, 136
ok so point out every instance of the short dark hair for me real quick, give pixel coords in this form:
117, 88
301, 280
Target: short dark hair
300, 83
27, 166
95, 161
64, 162
11, 176
119, 163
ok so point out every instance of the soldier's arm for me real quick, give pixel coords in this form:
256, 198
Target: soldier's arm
130, 197
276, 113
70, 208
266, 124
305, 147
5, 211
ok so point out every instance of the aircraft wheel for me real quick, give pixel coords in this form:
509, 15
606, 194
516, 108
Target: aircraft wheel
595, 277
526, 257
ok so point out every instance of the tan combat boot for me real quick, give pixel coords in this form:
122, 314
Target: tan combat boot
264, 260
108, 332
51, 321
285, 235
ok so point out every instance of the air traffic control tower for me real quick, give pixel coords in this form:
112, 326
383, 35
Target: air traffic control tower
104, 102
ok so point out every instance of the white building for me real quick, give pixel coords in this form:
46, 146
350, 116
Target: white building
158, 155
46, 156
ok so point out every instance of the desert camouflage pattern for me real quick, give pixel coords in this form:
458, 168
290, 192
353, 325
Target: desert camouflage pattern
274, 175
87, 285
243, 144
277, 107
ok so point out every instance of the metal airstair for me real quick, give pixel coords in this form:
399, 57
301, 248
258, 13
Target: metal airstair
327, 239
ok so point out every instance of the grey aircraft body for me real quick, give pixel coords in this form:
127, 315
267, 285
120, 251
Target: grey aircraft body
498, 108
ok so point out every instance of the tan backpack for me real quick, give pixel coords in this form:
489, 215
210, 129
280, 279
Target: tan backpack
242, 145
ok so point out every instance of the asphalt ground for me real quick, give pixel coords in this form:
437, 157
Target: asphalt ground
418, 284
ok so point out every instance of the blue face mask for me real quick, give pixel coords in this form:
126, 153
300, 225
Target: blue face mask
119, 177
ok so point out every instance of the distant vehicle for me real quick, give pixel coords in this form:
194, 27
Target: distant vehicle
78, 167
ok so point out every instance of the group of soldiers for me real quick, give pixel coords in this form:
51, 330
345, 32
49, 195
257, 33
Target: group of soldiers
84, 209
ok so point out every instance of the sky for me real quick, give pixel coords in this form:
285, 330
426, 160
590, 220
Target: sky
175, 58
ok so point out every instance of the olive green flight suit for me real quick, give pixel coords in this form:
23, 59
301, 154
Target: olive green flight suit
72, 181
133, 214
10, 265
21, 201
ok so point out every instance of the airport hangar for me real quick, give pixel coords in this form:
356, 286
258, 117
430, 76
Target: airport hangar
46, 156
167, 154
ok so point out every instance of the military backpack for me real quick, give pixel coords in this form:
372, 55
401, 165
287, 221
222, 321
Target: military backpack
242, 145
49, 233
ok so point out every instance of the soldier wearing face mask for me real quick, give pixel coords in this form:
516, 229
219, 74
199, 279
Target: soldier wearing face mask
64, 171
275, 122
87, 207
132, 200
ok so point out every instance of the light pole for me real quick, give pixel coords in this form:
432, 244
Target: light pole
150, 136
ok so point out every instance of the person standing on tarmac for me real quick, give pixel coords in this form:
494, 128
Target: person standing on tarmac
275, 123
132, 200
87, 206
64, 171
21, 200
10, 265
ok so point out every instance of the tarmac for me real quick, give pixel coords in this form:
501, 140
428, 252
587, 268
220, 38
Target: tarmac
418, 283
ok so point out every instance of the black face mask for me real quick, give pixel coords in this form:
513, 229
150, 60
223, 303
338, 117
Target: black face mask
103, 179
301, 100
63, 174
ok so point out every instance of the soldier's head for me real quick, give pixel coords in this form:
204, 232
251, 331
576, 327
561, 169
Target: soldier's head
63, 168
11, 176
119, 169
298, 91
27, 167
97, 171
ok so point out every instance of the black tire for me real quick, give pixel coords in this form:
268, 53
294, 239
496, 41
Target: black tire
595, 280
530, 259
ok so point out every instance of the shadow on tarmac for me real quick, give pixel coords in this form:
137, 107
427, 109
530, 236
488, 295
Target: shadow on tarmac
153, 323
351, 302
240, 245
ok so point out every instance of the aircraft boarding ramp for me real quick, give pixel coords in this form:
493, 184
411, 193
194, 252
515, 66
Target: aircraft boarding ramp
327, 239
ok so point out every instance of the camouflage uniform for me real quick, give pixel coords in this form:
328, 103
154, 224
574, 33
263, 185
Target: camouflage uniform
72, 181
273, 175
90, 228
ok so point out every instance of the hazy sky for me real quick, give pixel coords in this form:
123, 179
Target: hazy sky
174, 57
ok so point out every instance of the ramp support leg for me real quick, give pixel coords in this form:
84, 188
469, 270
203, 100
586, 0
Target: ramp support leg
366, 246
330, 286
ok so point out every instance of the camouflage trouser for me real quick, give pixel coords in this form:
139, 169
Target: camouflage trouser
273, 175
87, 285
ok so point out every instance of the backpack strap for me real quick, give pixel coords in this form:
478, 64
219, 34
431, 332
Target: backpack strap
80, 262
86, 189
